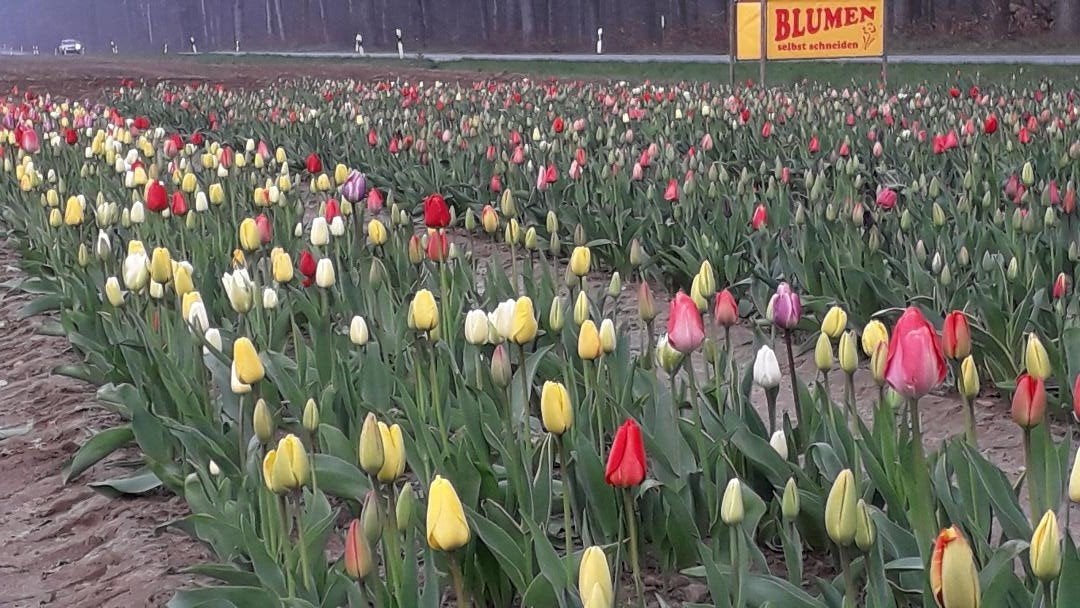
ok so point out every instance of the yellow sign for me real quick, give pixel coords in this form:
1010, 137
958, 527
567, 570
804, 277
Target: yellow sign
812, 29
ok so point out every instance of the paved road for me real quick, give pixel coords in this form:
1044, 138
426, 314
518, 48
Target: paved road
707, 59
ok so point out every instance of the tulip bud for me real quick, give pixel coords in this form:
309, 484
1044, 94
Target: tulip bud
637, 253
371, 446
778, 442
849, 355
551, 222
731, 507
865, 530
406, 504
841, 518
500, 367
615, 285
555, 316
1036, 360
607, 336
581, 308
589, 343
112, 292
823, 353
968, 380
579, 236
557, 414
789, 503
594, 579
358, 331
263, 422
1046, 549
766, 369
311, 416
877, 363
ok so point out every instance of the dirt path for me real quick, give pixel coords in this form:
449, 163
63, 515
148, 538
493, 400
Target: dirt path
66, 545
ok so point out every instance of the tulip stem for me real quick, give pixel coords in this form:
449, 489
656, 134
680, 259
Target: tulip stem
922, 514
459, 584
305, 567
1031, 473
435, 402
794, 379
283, 519
241, 455
969, 412
568, 513
631, 529
734, 537
851, 590
1048, 595
524, 395
392, 553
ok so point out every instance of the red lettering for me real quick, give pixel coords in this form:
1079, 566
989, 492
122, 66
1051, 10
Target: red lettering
832, 18
813, 21
851, 15
796, 31
867, 13
783, 25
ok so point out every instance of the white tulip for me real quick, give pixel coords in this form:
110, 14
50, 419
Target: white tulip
138, 213
778, 441
102, 246
476, 327
269, 298
197, 317
504, 318
201, 204
358, 331
213, 338
324, 273
239, 289
337, 226
766, 369
136, 271
320, 232
157, 290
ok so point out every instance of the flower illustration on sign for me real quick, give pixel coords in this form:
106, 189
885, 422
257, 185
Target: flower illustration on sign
869, 31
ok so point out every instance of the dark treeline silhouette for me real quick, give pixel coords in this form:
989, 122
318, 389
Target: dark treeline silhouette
499, 25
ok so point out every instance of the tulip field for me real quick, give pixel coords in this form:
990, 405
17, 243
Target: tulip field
408, 343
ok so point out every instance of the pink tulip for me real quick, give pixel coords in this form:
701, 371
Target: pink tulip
916, 361
886, 198
725, 309
671, 193
786, 307
637, 173
541, 180
686, 331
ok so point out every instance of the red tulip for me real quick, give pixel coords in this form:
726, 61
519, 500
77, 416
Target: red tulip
558, 125
264, 228
1076, 398
725, 309
71, 137
626, 460
172, 146
1024, 136
956, 336
332, 210
490, 155
29, 141
436, 212
760, 217
1029, 401
196, 139
939, 144
179, 205
226, 158
551, 174
814, 146
496, 184
314, 164
915, 363
951, 140
744, 116
954, 92
1068, 202
973, 92
157, 199
438, 246
307, 267
766, 129
1061, 285
886, 198
671, 193
686, 331
141, 123
990, 125
845, 150
372, 138
374, 200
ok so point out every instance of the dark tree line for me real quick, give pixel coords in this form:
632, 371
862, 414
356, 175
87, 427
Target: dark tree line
500, 25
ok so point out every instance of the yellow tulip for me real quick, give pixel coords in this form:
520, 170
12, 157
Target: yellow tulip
341, 173
706, 279
263, 422
425, 312
186, 300
1046, 549
249, 235
283, 267
556, 411
249, 369
376, 232
161, 265
594, 579
954, 581
189, 183
447, 529
217, 194
268, 471
1074, 479
968, 380
849, 355
841, 517
290, 470
580, 261
393, 445
588, 346
834, 323
523, 327
113, 293
877, 362
73, 212
56, 219
1035, 358
823, 353
873, 334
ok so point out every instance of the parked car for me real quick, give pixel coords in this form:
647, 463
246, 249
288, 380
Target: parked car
70, 46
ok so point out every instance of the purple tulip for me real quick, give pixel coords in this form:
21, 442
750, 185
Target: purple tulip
355, 187
786, 307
